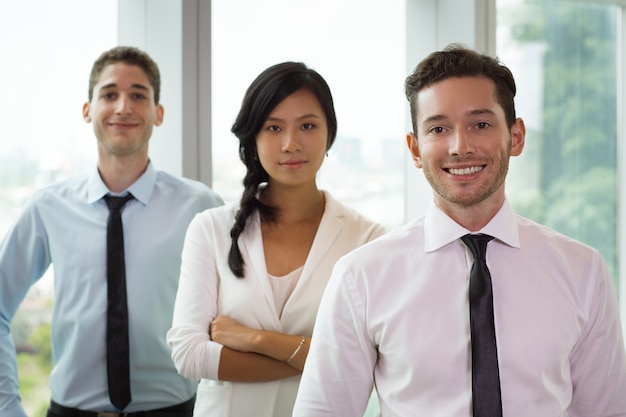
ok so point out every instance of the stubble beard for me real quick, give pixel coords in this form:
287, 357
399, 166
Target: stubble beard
463, 197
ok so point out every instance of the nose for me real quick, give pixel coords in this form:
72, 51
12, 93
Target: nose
291, 142
123, 105
460, 143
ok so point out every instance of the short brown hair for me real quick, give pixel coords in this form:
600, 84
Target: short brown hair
131, 56
458, 61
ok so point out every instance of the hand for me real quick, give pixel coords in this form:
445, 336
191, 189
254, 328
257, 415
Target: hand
232, 334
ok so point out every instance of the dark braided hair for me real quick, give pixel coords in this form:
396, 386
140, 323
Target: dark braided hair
265, 93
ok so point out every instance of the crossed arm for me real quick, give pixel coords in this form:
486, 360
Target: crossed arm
253, 355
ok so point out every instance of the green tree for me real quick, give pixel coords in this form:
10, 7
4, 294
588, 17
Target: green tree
40, 341
34, 370
578, 139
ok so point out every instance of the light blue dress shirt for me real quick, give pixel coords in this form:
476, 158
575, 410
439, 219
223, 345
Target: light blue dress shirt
65, 224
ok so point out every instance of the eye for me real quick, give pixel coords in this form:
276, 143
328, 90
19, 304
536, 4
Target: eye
139, 96
108, 96
482, 125
307, 126
273, 128
436, 130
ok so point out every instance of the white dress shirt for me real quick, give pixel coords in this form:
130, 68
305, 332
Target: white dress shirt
396, 314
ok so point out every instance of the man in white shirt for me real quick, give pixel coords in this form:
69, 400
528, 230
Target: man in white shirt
396, 312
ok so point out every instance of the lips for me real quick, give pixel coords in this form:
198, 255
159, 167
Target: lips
123, 125
293, 163
465, 171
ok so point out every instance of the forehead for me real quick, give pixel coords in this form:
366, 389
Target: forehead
298, 103
456, 97
122, 75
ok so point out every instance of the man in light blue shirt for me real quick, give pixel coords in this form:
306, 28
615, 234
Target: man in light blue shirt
66, 224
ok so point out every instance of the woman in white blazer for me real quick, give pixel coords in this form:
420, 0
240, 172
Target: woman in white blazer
253, 274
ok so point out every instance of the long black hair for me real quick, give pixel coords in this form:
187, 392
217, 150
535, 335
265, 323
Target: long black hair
265, 93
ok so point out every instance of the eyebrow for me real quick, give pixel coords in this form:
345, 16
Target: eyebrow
135, 86
434, 118
476, 112
304, 116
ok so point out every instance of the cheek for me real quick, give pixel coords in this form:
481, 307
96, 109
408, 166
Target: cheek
263, 154
429, 151
262, 148
317, 143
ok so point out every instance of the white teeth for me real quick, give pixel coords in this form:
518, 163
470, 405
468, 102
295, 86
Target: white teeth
465, 171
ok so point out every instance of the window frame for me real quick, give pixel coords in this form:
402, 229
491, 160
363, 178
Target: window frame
184, 146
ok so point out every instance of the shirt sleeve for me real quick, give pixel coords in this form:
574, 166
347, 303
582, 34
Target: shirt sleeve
598, 361
338, 376
24, 257
193, 352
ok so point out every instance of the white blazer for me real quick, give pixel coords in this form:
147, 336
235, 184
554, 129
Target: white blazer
208, 288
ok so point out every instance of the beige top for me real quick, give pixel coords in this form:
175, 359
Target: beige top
282, 287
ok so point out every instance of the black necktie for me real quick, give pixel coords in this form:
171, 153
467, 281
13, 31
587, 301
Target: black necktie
486, 398
118, 369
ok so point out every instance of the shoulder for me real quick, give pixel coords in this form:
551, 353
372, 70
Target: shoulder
212, 224
562, 257
405, 240
224, 213
544, 238
221, 217
53, 202
386, 263
350, 217
69, 189
188, 188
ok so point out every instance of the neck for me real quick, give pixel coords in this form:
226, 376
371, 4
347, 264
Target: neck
295, 205
473, 217
120, 173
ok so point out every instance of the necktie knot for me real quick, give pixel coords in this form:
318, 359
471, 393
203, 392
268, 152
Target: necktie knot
477, 244
116, 203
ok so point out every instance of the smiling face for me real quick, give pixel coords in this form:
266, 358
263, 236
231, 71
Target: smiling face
123, 111
463, 143
292, 142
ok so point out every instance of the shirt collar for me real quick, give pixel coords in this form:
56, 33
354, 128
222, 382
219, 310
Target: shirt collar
440, 230
140, 189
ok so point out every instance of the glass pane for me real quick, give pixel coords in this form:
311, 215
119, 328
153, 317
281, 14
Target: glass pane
359, 48
47, 53
563, 55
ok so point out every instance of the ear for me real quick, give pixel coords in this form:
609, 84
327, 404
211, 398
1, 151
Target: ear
86, 116
518, 134
159, 115
411, 143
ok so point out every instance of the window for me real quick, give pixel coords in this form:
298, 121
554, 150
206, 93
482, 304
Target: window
564, 57
563, 54
47, 54
360, 51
